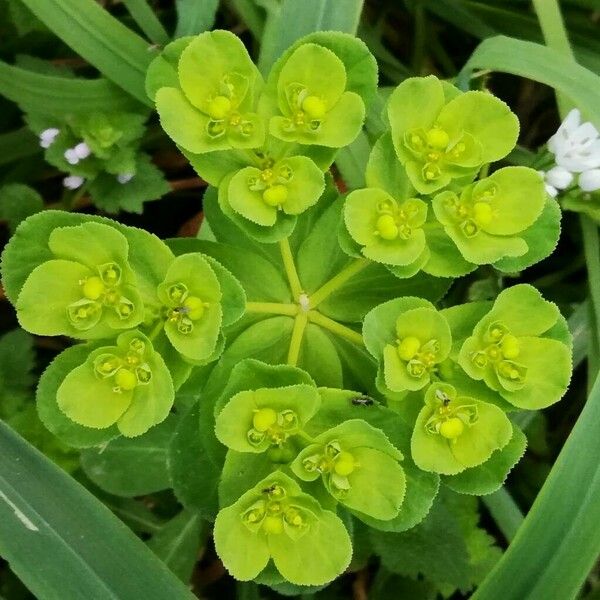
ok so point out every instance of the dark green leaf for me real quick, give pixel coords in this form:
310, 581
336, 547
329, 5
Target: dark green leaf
46, 518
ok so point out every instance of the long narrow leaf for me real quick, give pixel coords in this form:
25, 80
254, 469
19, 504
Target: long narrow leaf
50, 95
116, 51
147, 21
542, 64
290, 20
63, 543
195, 16
559, 541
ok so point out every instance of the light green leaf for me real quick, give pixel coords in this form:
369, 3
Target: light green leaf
491, 475
52, 416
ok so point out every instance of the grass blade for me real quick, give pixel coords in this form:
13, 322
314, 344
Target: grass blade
116, 51
79, 548
559, 540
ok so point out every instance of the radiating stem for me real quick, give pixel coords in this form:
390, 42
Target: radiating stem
274, 308
290, 268
338, 281
296, 342
341, 330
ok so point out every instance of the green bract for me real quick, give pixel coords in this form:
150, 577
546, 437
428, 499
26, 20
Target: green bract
127, 384
255, 420
191, 297
484, 222
440, 134
409, 338
276, 521
513, 351
87, 290
275, 189
212, 104
390, 232
455, 432
313, 106
359, 468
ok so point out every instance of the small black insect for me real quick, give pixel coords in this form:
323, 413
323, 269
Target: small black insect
362, 401
270, 489
443, 397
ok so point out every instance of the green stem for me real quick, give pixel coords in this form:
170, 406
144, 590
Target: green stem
341, 330
158, 327
273, 308
300, 323
505, 512
290, 268
338, 281
591, 245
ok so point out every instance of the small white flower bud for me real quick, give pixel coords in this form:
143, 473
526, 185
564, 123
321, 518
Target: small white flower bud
551, 190
124, 178
559, 177
589, 181
71, 156
48, 136
82, 150
72, 182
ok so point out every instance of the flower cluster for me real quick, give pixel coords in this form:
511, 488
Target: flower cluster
265, 144
101, 154
145, 328
293, 459
519, 348
576, 150
288, 429
424, 207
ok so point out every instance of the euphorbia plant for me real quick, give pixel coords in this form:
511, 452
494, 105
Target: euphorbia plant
319, 372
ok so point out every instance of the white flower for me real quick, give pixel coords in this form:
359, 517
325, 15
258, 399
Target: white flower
82, 150
72, 182
48, 136
576, 145
589, 181
71, 156
77, 153
550, 189
124, 178
559, 177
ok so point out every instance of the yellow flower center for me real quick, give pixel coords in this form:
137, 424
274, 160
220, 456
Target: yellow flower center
314, 107
275, 195
93, 288
125, 379
219, 107
437, 138
264, 419
452, 428
408, 348
387, 228
344, 464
